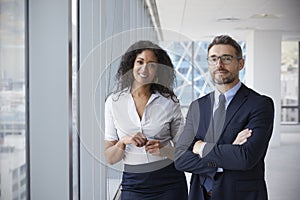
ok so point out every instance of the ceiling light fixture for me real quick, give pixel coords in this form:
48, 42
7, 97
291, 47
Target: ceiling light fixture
264, 16
228, 19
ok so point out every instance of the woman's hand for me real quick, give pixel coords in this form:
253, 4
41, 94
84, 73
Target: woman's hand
153, 147
242, 137
137, 139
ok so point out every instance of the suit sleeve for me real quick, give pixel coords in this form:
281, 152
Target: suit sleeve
185, 159
246, 156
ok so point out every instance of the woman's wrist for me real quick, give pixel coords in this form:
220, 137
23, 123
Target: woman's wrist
120, 144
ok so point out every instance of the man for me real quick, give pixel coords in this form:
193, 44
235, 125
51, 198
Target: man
226, 158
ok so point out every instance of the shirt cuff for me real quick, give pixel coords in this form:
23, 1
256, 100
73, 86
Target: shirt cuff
201, 149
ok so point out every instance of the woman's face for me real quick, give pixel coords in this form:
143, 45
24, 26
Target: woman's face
144, 68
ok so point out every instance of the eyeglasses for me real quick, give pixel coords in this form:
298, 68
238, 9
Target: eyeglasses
226, 59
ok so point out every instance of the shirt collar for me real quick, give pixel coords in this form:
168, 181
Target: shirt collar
228, 94
152, 97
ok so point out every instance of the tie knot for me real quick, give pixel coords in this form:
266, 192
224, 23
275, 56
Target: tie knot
222, 99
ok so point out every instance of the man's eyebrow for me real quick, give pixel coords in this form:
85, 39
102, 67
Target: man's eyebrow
214, 55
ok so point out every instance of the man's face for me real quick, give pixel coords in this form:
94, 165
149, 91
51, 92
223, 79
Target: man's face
224, 66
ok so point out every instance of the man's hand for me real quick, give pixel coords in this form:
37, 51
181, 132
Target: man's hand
242, 137
239, 140
197, 146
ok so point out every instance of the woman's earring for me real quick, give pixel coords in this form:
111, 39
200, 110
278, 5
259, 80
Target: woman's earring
155, 80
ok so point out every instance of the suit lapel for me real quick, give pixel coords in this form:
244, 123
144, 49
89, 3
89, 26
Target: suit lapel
238, 100
205, 108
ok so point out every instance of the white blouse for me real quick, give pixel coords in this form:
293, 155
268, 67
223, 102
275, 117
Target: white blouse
162, 120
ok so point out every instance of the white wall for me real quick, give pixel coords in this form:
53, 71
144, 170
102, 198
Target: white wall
263, 61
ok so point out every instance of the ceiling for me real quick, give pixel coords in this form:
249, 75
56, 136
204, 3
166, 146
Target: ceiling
204, 19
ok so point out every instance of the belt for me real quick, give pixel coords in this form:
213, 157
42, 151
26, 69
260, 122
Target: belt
209, 194
147, 167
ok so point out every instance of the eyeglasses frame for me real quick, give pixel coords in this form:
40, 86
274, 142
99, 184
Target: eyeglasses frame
220, 57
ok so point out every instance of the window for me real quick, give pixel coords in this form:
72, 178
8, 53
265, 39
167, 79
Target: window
74, 98
189, 59
23, 169
290, 82
106, 29
12, 97
15, 174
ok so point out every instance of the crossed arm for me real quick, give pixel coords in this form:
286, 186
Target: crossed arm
239, 140
251, 149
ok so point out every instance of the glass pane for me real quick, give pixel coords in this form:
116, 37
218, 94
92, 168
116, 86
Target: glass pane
13, 177
289, 73
192, 76
289, 115
75, 111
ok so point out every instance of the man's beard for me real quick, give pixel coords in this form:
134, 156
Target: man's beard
225, 80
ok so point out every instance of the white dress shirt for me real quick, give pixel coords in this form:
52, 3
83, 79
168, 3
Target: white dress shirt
228, 95
162, 120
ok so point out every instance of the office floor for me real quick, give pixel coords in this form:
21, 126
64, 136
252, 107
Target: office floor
283, 168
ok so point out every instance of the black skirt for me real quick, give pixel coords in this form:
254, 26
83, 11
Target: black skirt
162, 184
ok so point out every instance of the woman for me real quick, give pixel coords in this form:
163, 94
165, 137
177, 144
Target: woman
142, 123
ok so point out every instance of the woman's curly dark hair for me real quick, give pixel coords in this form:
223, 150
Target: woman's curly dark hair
165, 73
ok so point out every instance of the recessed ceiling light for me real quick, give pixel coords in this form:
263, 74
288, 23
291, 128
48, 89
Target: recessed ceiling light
228, 19
245, 28
264, 16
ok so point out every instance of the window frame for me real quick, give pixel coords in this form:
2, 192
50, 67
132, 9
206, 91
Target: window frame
298, 104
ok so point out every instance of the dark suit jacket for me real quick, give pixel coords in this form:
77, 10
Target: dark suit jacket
243, 176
